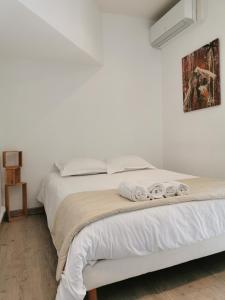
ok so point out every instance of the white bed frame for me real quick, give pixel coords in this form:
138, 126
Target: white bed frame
109, 271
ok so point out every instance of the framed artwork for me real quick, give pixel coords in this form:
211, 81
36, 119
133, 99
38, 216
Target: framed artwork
201, 77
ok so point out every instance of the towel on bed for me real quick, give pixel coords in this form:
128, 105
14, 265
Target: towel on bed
175, 188
133, 192
156, 190
182, 188
141, 192
170, 189
148, 191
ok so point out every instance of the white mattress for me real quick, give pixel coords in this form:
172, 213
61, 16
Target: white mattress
132, 234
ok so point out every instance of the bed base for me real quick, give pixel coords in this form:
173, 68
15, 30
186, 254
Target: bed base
92, 295
106, 272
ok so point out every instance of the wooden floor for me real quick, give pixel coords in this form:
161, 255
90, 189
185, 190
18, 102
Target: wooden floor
28, 262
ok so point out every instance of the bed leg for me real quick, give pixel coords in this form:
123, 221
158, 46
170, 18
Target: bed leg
92, 295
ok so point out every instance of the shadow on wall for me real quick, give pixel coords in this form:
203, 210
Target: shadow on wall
35, 89
30, 93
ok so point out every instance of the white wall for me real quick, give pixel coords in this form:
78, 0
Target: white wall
79, 21
193, 142
56, 112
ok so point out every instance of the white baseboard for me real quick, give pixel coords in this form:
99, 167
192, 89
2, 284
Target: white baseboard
2, 211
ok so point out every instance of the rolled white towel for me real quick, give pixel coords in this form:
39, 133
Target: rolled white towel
170, 189
156, 190
182, 188
133, 192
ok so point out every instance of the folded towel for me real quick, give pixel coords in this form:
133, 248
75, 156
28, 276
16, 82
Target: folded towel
148, 191
170, 189
133, 192
156, 190
182, 188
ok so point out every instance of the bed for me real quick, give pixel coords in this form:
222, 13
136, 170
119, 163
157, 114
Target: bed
130, 244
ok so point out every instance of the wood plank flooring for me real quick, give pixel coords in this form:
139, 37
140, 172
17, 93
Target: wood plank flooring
28, 261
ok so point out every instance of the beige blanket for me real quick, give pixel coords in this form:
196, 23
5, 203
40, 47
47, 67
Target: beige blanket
80, 209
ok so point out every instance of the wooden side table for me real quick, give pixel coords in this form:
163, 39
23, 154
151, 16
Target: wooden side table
23, 213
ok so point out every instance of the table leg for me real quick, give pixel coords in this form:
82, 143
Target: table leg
7, 202
24, 192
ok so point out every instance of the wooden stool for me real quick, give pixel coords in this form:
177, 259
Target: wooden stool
24, 201
13, 178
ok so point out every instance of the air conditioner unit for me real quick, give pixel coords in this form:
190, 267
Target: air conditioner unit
181, 16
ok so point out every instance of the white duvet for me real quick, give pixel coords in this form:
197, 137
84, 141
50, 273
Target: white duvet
131, 234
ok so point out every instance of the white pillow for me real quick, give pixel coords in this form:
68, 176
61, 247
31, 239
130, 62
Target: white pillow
127, 163
81, 166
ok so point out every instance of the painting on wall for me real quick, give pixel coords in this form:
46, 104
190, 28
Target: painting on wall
201, 77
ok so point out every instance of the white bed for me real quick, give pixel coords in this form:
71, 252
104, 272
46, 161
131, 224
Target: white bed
134, 243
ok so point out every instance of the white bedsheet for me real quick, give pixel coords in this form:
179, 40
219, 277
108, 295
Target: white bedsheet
136, 233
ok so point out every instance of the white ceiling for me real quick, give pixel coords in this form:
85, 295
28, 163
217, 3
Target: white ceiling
152, 9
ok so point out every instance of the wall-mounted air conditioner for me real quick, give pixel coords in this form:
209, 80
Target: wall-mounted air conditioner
181, 16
